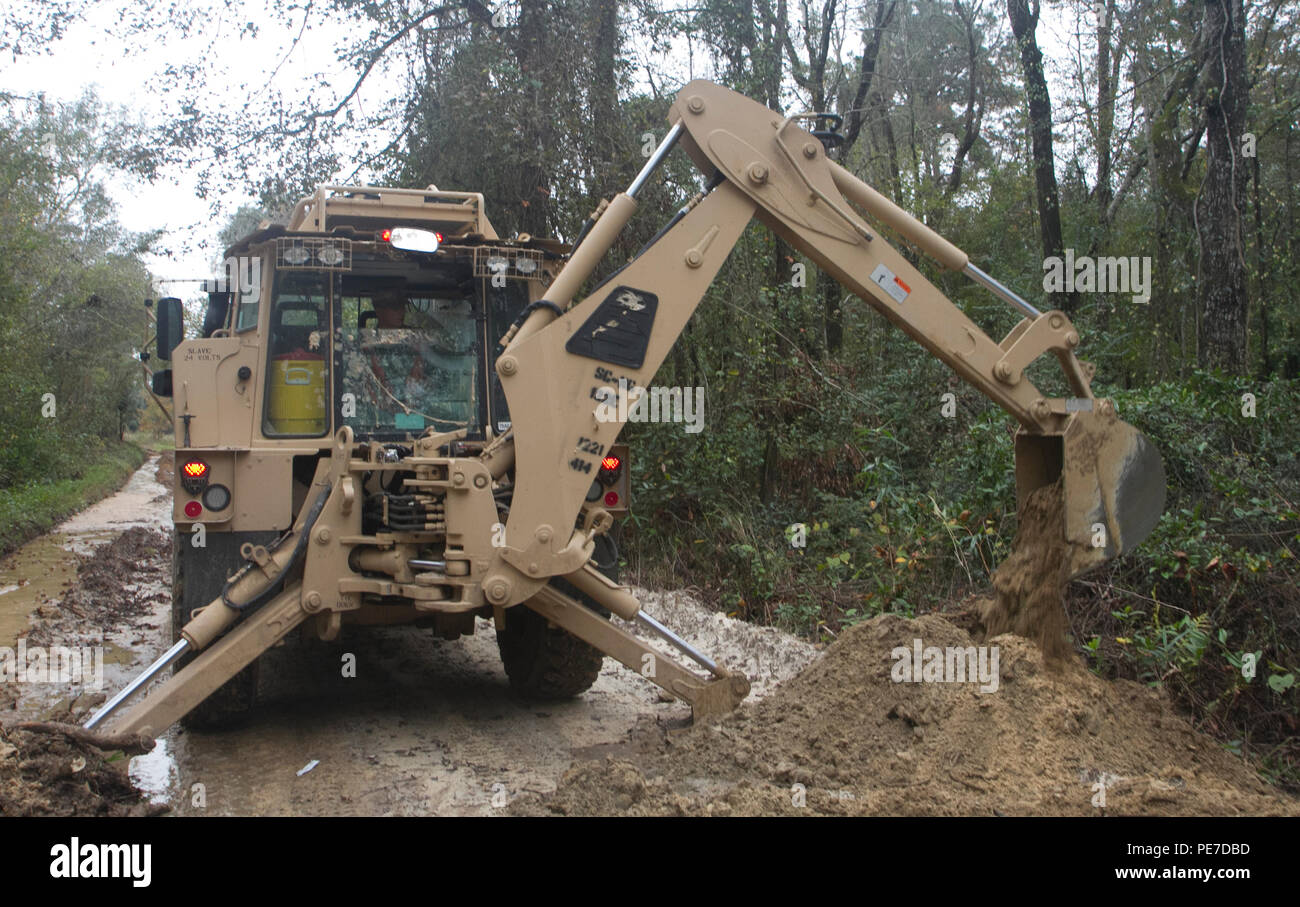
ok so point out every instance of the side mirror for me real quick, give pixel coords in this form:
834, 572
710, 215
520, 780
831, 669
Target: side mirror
171, 326
161, 383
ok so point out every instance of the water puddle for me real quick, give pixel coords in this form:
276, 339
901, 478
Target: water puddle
32, 576
155, 773
141, 502
37, 573
117, 655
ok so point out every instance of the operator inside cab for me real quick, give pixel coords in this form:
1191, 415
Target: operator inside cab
394, 355
390, 310
413, 363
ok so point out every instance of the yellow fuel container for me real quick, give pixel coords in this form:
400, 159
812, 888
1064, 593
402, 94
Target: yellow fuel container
296, 403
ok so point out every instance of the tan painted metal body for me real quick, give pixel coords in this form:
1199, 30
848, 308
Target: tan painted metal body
461, 563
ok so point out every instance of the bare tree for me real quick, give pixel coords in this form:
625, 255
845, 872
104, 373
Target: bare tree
974, 114
1024, 24
1222, 279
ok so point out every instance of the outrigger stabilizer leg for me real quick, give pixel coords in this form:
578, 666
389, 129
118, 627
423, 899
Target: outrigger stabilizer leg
253, 617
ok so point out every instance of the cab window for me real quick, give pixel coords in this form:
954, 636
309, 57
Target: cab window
409, 357
248, 289
298, 356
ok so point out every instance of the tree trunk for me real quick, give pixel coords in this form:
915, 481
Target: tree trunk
603, 96
867, 72
530, 51
1105, 108
1171, 203
832, 315
974, 115
1265, 355
1222, 283
1024, 22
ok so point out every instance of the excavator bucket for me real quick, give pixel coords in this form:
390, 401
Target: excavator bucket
1112, 483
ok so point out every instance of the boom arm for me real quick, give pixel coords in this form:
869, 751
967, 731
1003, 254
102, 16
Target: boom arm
567, 375
557, 369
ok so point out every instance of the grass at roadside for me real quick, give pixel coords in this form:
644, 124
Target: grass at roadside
28, 510
152, 441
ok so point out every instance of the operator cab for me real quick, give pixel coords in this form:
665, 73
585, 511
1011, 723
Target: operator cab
412, 355
380, 310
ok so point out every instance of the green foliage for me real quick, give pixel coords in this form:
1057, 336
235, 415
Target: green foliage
28, 510
71, 287
1213, 594
905, 511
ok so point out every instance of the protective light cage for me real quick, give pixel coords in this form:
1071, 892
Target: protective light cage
519, 264
304, 253
194, 475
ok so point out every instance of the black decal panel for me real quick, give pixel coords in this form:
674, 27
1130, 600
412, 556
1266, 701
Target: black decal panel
618, 332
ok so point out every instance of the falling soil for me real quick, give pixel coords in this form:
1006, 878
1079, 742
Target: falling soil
44, 775
846, 738
1030, 583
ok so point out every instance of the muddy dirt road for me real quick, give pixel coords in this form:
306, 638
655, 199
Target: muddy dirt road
427, 726
430, 727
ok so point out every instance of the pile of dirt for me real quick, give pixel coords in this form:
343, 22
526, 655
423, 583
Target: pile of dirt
49, 775
115, 581
847, 737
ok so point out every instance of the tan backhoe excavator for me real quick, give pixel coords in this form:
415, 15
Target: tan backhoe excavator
349, 457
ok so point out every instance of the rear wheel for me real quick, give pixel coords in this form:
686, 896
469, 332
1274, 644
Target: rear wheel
545, 662
231, 703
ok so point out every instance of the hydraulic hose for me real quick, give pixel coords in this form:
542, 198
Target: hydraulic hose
272, 588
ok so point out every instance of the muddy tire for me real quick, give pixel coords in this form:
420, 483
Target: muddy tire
230, 704
548, 663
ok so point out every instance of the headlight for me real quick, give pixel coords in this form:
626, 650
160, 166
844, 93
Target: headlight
330, 256
296, 255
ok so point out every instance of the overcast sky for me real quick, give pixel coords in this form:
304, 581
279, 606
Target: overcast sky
85, 58
123, 76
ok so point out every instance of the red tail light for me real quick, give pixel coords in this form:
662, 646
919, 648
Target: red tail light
610, 463
194, 476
